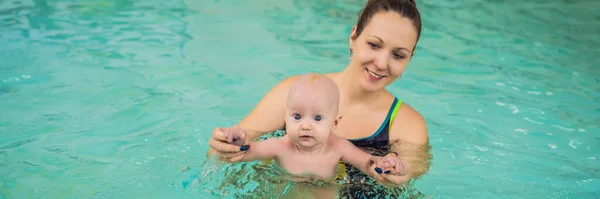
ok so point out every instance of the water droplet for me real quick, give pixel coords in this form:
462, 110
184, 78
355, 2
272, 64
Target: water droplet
552, 146
572, 145
521, 130
563, 128
533, 121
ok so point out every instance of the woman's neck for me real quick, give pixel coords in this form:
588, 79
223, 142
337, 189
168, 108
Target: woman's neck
351, 91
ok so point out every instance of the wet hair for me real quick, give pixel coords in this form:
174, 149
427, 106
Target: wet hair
405, 8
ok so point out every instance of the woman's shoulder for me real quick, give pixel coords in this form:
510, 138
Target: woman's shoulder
268, 114
288, 81
284, 85
280, 90
409, 125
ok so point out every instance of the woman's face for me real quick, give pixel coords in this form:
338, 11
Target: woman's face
383, 49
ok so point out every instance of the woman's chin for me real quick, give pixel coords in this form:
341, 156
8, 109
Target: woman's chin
370, 86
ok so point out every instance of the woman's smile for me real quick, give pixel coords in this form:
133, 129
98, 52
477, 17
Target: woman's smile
373, 76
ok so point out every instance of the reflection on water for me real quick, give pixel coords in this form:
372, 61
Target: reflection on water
265, 179
114, 98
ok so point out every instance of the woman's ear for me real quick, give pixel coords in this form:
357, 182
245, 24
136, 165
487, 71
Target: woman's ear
352, 36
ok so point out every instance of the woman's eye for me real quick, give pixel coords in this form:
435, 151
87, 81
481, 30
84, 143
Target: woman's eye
318, 118
297, 116
373, 45
398, 56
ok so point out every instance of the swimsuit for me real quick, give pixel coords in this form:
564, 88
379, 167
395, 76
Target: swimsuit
378, 143
359, 185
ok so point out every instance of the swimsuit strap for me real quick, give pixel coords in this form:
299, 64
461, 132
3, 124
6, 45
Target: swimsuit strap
396, 107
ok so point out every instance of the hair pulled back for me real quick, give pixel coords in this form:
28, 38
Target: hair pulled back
405, 8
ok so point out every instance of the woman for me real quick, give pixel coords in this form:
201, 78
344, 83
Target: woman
381, 45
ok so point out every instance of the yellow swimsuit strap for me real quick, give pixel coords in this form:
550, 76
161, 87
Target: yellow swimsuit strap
396, 108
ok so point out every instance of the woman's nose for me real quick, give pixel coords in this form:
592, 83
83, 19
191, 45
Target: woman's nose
381, 61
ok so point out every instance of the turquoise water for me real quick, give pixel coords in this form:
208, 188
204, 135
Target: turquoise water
103, 99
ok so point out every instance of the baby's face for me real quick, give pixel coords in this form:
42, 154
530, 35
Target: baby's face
310, 118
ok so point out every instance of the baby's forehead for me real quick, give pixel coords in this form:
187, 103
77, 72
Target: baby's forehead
315, 86
313, 106
305, 93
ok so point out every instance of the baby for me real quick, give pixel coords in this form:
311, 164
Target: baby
309, 149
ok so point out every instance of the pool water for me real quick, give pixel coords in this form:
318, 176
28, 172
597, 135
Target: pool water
105, 99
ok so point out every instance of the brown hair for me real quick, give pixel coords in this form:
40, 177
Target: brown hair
406, 8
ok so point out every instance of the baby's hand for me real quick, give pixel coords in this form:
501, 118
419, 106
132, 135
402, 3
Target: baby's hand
236, 135
390, 164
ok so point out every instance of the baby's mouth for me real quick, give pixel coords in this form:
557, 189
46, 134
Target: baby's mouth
305, 136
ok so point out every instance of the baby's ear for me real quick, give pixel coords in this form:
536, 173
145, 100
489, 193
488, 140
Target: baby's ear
337, 120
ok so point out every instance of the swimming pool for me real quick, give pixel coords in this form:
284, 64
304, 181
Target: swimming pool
104, 99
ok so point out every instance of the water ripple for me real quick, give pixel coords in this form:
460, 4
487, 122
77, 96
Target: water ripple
17, 144
118, 96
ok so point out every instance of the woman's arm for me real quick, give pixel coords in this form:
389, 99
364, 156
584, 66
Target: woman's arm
267, 116
269, 113
410, 140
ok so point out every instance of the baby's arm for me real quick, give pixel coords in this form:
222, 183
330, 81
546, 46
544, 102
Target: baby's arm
262, 150
266, 149
356, 157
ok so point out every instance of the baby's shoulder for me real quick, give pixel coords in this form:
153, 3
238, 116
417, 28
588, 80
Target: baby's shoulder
282, 142
338, 142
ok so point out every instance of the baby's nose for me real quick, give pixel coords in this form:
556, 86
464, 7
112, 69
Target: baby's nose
305, 126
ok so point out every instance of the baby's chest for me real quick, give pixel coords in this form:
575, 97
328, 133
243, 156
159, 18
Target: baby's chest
307, 165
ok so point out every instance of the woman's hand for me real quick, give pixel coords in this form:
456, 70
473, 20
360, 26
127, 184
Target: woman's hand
229, 143
390, 170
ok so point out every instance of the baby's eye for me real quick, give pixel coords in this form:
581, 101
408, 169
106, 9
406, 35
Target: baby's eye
297, 116
318, 118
